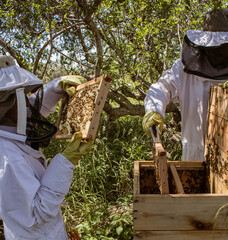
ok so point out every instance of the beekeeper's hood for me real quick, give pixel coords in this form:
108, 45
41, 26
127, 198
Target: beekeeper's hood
197, 43
15, 80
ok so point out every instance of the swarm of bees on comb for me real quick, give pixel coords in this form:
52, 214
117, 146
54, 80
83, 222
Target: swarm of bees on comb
78, 110
82, 111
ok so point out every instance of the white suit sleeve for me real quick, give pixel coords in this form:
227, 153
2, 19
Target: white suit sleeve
51, 95
54, 186
24, 197
167, 88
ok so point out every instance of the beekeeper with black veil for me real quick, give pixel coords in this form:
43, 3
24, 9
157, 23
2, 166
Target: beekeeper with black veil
203, 63
30, 191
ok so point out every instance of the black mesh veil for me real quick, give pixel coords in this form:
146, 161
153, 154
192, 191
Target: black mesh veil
197, 62
39, 130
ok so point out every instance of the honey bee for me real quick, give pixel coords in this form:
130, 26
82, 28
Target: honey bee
78, 110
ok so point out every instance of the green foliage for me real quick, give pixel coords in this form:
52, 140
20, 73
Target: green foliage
134, 41
171, 139
99, 203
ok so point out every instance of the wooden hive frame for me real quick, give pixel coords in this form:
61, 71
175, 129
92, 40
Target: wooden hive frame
161, 168
81, 112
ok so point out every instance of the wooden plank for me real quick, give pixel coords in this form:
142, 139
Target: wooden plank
136, 178
181, 235
218, 102
180, 165
160, 151
218, 174
178, 212
187, 164
82, 111
217, 185
216, 154
218, 131
176, 179
99, 105
104, 77
217, 160
162, 171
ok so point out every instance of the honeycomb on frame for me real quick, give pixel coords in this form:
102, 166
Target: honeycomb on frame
81, 112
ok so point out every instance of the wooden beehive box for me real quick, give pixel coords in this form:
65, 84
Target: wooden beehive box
189, 215
81, 112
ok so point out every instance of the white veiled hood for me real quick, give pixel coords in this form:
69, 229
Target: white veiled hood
15, 77
16, 80
207, 39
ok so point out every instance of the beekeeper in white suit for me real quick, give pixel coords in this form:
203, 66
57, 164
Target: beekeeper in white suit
31, 192
203, 63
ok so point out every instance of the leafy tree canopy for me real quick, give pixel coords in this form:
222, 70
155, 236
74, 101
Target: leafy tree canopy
134, 41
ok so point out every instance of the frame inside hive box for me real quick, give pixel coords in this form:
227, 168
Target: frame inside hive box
188, 213
81, 112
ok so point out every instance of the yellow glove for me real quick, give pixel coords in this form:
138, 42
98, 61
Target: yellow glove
68, 83
224, 85
77, 148
152, 118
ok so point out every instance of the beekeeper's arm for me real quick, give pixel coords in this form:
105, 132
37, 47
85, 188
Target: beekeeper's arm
55, 90
159, 95
24, 198
27, 199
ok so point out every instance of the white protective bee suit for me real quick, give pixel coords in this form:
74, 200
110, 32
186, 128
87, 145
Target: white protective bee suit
192, 90
30, 192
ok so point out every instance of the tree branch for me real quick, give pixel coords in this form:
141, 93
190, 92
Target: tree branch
51, 40
88, 20
73, 60
127, 108
120, 99
13, 53
39, 55
115, 113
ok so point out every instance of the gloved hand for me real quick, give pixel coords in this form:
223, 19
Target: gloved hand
68, 83
77, 148
150, 119
224, 85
